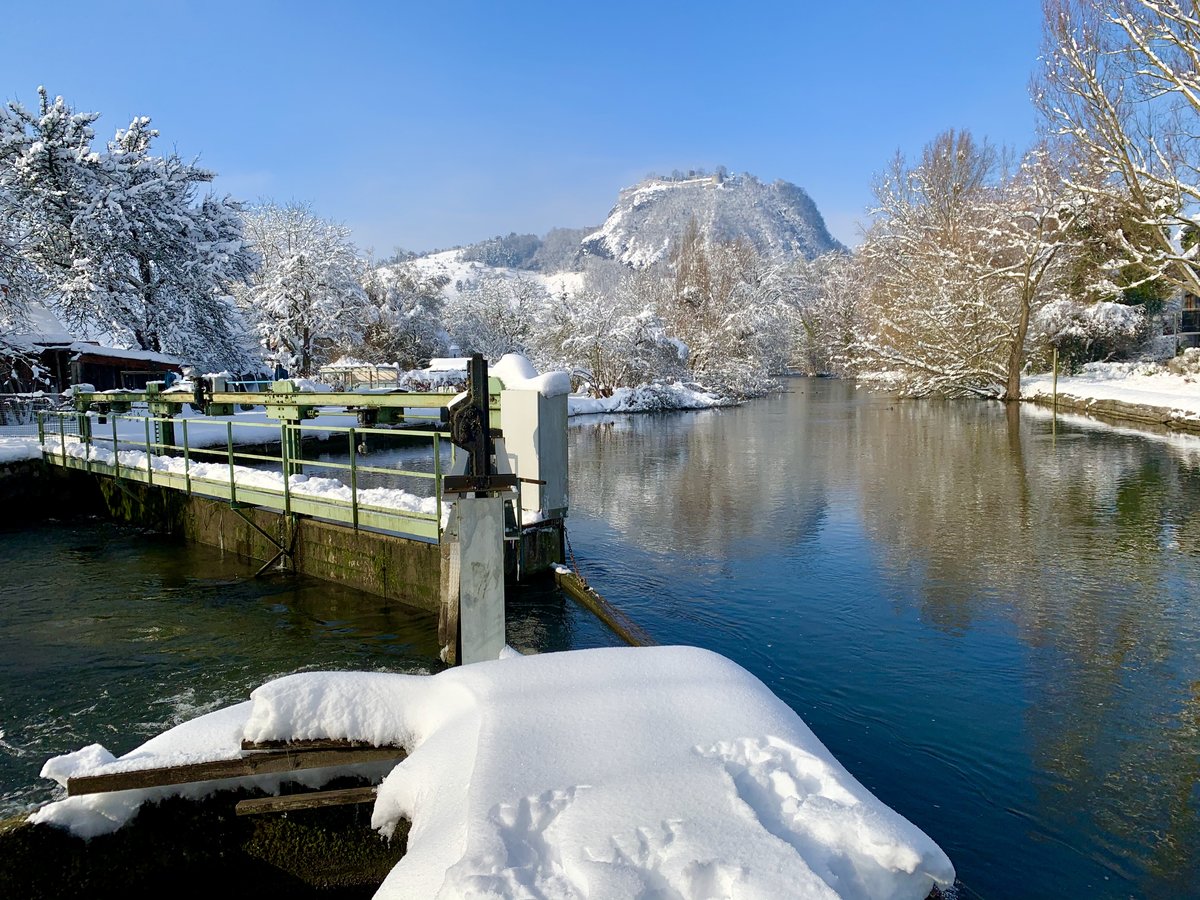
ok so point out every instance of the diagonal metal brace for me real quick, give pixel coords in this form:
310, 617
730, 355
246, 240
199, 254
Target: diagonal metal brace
281, 550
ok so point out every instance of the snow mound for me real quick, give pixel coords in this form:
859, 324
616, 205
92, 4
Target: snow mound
517, 373
614, 773
18, 447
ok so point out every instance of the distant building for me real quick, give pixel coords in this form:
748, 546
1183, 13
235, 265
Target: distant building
1189, 321
64, 363
51, 359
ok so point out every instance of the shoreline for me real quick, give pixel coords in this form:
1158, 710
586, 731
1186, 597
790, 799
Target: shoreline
1161, 419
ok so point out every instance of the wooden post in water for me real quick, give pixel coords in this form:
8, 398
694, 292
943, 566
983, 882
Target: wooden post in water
1054, 398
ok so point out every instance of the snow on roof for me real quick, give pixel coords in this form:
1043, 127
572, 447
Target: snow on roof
350, 362
93, 349
448, 364
605, 773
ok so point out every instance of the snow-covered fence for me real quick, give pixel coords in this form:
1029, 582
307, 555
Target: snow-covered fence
18, 412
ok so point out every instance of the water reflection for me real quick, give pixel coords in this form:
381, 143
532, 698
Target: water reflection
993, 623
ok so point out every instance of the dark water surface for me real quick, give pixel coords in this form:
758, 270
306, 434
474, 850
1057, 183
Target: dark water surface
110, 635
994, 626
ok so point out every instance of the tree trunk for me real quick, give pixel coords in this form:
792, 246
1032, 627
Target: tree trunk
1016, 353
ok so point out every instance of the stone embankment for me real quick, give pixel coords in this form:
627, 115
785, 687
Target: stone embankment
1156, 418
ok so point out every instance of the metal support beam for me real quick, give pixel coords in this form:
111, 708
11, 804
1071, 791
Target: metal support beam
285, 552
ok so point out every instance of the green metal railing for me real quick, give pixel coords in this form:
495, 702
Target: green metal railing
101, 453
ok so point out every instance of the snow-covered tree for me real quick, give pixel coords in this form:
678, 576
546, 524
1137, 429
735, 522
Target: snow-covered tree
1122, 87
306, 298
826, 321
154, 264
494, 315
610, 335
46, 167
960, 257
727, 312
405, 308
120, 239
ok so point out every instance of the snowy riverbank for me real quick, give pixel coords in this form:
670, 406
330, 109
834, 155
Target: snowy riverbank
647, 398
1153, 393
681, 773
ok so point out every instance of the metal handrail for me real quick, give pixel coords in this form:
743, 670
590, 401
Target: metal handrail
336, 508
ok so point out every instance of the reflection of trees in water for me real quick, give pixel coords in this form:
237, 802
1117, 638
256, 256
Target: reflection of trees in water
1087, 544
707, 482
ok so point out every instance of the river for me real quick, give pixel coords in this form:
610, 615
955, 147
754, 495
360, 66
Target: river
991, 620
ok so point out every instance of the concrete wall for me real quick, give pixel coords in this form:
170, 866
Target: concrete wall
1153, 418
393, 567
401, 569
34, 491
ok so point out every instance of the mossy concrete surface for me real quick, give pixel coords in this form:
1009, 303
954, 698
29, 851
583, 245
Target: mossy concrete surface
381, 564
183, 848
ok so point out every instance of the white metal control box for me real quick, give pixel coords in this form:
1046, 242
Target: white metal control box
535, 440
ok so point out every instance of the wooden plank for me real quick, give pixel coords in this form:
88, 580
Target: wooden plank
264, 763
619, 623
318, 744
307, 800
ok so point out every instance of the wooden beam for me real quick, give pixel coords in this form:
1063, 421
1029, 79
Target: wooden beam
264, 763
318, 744
307, 800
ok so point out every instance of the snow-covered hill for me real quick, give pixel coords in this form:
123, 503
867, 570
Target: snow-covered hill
462, 273
778, 219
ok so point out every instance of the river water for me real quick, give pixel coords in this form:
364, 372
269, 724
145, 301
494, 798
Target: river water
991, 620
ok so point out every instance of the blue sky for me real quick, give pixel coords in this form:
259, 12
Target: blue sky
431, 124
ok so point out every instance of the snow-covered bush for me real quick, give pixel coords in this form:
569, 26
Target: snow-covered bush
1186, 363
1088, 332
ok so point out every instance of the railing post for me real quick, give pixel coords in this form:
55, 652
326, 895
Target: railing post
41, 420
116, 455
283, 459
437, 480
62, 437
353, 480
295, 450
85, 431
232, 477
149, 455
187, 460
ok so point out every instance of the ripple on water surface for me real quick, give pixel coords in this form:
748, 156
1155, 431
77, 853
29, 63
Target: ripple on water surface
112, 635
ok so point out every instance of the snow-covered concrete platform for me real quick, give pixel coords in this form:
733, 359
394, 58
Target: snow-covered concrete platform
609, 773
